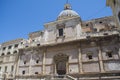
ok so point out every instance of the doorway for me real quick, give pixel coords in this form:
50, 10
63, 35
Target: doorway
61, 68
60, 62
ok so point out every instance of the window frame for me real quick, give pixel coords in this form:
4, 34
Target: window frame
90, 55
5, 68
60, 27
4, 48
15, 52
109, 54
2, 54
12, 68
36, 73
23, 72
37, 61
16, 45
60, 32
25, 62
8, 53
119, 16
9, 47
114, 2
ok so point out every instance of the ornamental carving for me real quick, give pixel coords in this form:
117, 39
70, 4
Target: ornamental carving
37, 56
61, 57
26, 55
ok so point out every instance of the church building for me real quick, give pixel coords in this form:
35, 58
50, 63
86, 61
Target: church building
67, 49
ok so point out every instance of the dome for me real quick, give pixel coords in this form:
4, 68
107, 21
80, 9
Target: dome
67, 13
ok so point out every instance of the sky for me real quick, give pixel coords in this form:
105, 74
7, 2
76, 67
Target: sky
20, 17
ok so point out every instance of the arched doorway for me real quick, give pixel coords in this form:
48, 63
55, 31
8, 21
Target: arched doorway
61, 63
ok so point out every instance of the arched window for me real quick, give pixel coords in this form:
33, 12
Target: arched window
15, 52
119, 16
8, 53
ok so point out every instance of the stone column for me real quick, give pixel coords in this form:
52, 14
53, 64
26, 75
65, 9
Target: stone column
17, 66
55, 69
101, 59
80, 60
67, 67
43, 63
30, 67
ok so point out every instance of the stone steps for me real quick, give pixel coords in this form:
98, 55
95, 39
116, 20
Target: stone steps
63, 77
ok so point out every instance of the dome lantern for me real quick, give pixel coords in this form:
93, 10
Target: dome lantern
67, 13
67, 7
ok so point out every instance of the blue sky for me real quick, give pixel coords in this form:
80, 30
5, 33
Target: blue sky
20, 17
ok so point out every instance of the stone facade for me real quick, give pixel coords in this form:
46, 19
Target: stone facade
68, 48
115, 6
8, 58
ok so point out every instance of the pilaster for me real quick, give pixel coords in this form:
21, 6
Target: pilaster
55, 69
43, 63
67, 68
17, 66
80, 60
100, 60
30, 67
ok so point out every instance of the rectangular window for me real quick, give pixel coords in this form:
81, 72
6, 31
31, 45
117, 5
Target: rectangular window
24, 62
114, 1
4, 48
36, 72
23, 72
16, 45
90, 57
5, 68
0, 68
61, 32
9, 47
38, 44
109, 54
12, 68
119, 16
37, 61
